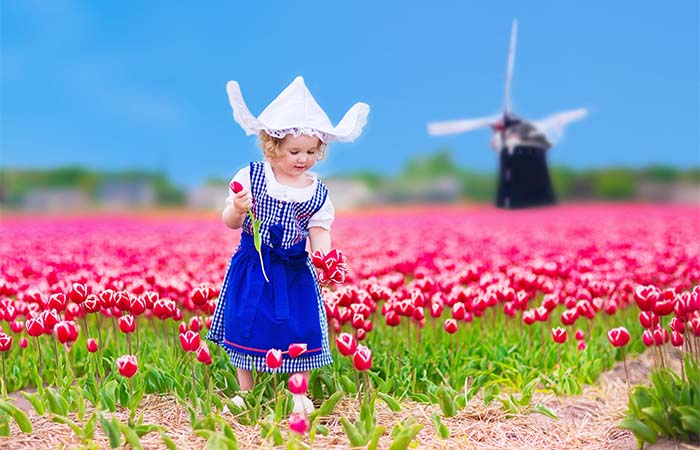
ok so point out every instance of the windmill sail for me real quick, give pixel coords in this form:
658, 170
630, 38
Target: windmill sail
460, 126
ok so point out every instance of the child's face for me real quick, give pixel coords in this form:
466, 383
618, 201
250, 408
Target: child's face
297, 154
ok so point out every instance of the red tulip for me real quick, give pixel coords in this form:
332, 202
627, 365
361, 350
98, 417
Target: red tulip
16, 326
579, 335
92, 304
676, 339
559, 335
581, 345
569, 316
5, 342
451, 326
530, 317
66, 331
236, 187
645, 296
298, 384
137, 306
35, 326
203, 354
50, 318
23, 342
648, 338
273, 358
298, 423
92, 345
648, 319
127, 324
664, 306
209, 321
619, 337
361, 334
392, 319
107, 298
694, 324
660, 336
199, 295
195, 323
363, 358
127, 365
677, 325
182, 327
189, 340
57, 301
346, 344
296, 350
78, 292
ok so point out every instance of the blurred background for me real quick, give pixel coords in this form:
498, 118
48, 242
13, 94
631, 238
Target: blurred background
123, 105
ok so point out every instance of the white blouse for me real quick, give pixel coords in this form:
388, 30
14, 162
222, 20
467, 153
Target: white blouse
323, 218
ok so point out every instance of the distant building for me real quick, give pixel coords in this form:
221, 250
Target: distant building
55, 200
348, 194
669, 192
126, 194
210, 197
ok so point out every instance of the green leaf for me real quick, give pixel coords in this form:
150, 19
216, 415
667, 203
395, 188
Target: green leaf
57, 405
348, 384
446, 402
4, 425
132, 438
107, 395
167, 441
353, 434
404, 438
390, 401
639, 429
22, 420
374, 438
440, 427
329, 405
542, 409
77, 429
36, 402
111, 431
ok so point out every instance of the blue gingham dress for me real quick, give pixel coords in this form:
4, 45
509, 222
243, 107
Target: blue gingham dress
252, 315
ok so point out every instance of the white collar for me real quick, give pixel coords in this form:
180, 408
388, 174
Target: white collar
289, 193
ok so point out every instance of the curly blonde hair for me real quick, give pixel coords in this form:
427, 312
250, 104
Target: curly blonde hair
270, 146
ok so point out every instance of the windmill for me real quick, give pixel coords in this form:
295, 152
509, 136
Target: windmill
522, 145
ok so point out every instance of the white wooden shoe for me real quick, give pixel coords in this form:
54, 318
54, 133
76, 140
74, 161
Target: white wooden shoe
302, 403
237, 400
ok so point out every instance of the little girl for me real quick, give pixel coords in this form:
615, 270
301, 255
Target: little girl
254, 315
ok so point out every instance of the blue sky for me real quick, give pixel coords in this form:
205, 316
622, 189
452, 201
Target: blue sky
116, 85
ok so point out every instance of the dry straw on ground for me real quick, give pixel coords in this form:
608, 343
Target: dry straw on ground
588, 421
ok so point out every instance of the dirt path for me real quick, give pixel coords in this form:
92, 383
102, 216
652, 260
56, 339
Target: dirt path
588, 421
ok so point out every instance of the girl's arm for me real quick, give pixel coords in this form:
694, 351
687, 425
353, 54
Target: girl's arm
234, 213
320, 239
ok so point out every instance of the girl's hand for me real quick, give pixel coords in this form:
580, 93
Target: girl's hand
242, 201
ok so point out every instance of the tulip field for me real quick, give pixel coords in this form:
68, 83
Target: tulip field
451, 311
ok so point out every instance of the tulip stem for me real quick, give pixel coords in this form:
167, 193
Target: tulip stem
194, 386
136, 324
4, 378
41, 361
55, 354
624, 361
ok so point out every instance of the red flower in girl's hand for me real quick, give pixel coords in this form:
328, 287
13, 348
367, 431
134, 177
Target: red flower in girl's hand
236, 187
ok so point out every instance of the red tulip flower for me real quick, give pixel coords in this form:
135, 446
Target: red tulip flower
559, 335
579, 335
392, 319
298, 423
57, 301
581, 345
78, 292
346, 344
298, 384
92, 345
362, 360
619, 337
236, 187
182, 328
137, 306
361, 334
648, 319
694, 325
35, 326
196, 323
648, 338
23, 342
5, 342
50, 318
16, 326
203, 354
127, 324
677, 325
273, 358
189, 340
296, 350
92, 304
676, 339
127, 365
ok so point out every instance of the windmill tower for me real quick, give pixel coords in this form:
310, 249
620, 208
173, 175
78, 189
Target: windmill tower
523, 179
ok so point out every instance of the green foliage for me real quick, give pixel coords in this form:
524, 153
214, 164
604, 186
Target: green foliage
614, 184
669, 407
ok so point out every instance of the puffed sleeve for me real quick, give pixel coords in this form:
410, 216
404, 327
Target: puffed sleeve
243, 177
324, 217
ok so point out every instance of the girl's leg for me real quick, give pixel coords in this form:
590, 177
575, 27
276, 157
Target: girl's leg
245, 379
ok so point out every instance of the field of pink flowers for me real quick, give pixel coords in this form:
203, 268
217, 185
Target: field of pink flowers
441, 305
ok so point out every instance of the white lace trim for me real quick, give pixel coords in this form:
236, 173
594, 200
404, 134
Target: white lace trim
325, 138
